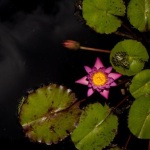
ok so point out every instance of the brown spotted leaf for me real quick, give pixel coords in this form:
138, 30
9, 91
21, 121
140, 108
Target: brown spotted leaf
97, 128
49, 114
102, 15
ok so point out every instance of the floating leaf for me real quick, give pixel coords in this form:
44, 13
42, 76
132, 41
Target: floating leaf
97, 128
139, 117
48, 114
140, 84
101, 15
128, 57
138, 12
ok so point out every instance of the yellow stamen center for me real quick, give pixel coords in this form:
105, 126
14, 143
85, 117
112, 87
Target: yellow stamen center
99, 78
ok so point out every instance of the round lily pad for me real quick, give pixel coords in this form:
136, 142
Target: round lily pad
49, 114
139, 117
101, 15
140, 84
97, 128
138, 12
128, 57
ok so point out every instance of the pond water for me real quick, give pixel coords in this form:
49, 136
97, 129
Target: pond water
31, 54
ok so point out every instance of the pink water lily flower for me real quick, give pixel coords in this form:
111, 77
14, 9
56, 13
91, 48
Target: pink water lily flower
99, 78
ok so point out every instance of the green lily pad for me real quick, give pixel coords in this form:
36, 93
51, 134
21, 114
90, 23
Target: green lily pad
128, 57
139, 117
49, 114
140, 84
138, 12
97, 128
101, 15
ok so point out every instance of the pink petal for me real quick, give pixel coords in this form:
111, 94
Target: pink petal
88, 69
113, 84
82, 81
115, 75
98, 63
108, 70
105, 93
90, 92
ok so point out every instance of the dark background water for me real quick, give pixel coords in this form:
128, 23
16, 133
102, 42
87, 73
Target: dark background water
31, 54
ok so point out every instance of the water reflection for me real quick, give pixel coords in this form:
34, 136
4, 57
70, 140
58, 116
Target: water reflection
31, 53
11, 63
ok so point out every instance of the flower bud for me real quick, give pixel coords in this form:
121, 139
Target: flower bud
71, 44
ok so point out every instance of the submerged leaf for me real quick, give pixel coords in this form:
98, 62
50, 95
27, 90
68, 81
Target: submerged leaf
140, 84
101, 15
97, 128
138, 12
49, 114
128, 57
139, 117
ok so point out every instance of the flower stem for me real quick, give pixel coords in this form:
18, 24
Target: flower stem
124, 81
78, 102
124, 35
122, 101
128, 142
131, 32
146, 39
94, 49
149, 145
81, 100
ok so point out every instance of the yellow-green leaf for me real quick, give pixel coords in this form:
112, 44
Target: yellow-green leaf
49, 114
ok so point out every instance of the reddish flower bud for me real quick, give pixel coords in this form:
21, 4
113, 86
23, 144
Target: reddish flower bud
71, 44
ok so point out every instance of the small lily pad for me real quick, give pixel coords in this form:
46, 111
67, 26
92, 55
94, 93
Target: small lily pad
128, 57
97, 128
140, 84
138, 12
49, 114
139, 117
101, 15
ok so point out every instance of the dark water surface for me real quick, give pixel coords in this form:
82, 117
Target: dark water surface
31, 54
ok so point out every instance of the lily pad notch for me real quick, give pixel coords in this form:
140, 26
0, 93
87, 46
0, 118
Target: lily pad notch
49, 114
102, 15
